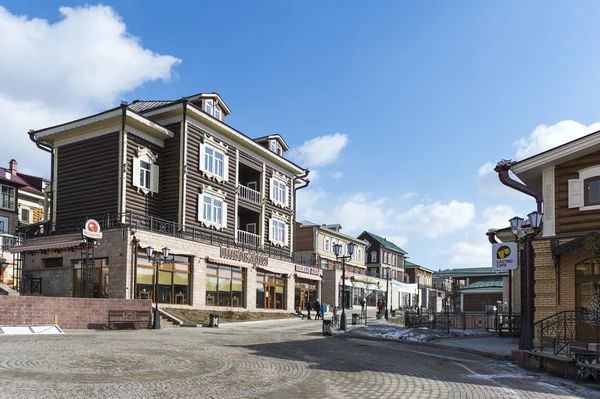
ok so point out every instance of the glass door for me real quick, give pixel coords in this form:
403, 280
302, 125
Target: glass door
269, 297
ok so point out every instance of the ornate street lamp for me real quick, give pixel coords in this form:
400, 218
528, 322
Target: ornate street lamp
516, 227
337, 250
387, 283
156, 259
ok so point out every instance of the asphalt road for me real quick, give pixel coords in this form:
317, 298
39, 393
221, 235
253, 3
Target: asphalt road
267, 360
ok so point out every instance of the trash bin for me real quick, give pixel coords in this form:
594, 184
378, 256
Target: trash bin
355, 318
213, 320
327, 327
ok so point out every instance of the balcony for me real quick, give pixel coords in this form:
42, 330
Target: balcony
246, 238
248, 194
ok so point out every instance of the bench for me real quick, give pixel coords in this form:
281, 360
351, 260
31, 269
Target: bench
542, 356
133, 318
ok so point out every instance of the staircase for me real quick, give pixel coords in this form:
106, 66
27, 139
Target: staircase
167, 320
6, 290
556, 332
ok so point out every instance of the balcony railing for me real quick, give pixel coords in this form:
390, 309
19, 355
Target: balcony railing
247, 238
249, 194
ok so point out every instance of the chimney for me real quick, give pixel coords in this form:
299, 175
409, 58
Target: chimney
12, 167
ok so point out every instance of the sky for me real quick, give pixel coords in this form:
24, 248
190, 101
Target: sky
399, 109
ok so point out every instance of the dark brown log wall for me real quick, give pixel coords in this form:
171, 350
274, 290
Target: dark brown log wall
170, 182
136, 200
195, 179
88, 178
573, 220
303, 238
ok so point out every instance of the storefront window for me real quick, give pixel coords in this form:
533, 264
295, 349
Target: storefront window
96, 279
224, 286
173, 280
270, 291
305, 290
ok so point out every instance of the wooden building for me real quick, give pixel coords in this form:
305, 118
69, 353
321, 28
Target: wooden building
168, 174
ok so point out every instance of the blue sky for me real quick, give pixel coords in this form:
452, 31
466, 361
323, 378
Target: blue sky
400, 108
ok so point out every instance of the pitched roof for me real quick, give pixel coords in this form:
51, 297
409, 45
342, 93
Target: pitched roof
488, 282
472, 271
385, 243
15, 180
141, 106
410, 265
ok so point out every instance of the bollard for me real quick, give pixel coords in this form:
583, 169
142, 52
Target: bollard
327, 327
213, 320
355, 318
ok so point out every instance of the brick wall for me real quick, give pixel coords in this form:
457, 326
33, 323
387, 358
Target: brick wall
71, 313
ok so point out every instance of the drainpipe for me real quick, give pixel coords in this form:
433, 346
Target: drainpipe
305, 183
48, 148
502, 168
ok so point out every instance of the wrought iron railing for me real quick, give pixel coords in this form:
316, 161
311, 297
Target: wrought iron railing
161, 226
497, 322
556, 332
249, 194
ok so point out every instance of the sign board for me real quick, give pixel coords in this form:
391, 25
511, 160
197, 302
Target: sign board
92, 229
505, 256
239, 255
309, 270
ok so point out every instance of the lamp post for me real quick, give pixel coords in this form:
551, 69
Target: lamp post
387, 283
156, 259
446, 310
337, 250
418, 294
516, 227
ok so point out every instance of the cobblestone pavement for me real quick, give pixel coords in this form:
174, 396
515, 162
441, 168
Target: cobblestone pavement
266, 360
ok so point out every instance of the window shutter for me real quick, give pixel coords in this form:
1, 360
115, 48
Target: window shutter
224, 216
270, 230
155, 178
136, 172
226, 168
271, 189
575, 193
201, 162
200, 207
285, 234
287, 195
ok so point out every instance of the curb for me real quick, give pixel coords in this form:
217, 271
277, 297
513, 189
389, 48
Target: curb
244, 323
495, 356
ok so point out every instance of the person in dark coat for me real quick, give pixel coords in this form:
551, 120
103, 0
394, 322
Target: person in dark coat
309, 307
318, 310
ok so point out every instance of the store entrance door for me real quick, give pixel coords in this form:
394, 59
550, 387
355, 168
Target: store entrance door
269, 297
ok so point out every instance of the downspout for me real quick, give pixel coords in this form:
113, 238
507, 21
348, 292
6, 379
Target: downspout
502, 168
305, 183
48, 148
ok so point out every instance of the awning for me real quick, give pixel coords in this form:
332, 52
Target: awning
308, 276
348, 282
46, 246
372, 287
226, 262
365, 279
274, 270
356, 284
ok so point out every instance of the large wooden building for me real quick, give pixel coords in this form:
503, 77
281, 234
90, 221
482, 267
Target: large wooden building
168, 174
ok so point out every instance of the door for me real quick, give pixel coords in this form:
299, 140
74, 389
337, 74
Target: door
251, 228
587, 282
253, 185
270, 297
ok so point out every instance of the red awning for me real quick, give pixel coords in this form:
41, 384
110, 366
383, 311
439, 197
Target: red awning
47, 245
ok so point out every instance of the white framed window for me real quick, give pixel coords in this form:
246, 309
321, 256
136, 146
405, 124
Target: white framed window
25, 215
208, 106
7, 197
359, 254
393, 260
327, 244
278, 231
214, 161
276, 147
218, 113
584, 193
373, 257
212, 210
145, 171
278, 192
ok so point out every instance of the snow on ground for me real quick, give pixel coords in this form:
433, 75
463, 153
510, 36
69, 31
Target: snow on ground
414, 334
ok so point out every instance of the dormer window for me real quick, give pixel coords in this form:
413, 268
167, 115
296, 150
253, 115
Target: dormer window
218, 113
208, 106
276, 147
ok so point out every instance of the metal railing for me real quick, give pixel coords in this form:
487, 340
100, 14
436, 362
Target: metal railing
556, 332
497, 322
135, 220
248, 238
249, 194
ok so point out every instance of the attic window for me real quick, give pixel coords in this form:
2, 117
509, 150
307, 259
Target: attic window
218, 113
208, 106
276, 147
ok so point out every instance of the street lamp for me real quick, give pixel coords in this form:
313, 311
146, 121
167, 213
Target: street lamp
516, 227
387, 282
418, 294
156, 259
446, 310
337, 250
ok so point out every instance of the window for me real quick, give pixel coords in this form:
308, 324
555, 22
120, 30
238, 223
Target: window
373, 257
52, 262
276, 147
173, 279
270, 291
213, 160
393, 260
359, 254
218, 113
592, 191
385, 257
278, 232
584, 193
8, 197
208, 106
145, 172
324, 263
225, 286
212, 210
278, 192
25, 215
327, 246
97, 279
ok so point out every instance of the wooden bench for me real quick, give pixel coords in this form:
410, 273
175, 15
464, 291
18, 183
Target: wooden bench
133, 318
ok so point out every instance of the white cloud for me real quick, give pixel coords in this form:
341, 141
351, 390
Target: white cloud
437, 219
337, 175
313, 175
546, 137
56, 72
408, 196
320, 151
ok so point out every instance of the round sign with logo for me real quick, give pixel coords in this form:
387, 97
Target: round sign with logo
92, 229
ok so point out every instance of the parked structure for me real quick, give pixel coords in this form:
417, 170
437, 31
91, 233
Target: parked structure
168, 174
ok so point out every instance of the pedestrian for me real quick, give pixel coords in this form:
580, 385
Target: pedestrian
309, 308
379, 306
317, 310
322, 310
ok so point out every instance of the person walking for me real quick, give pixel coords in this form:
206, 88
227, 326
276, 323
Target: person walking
309, 306
317, 310
379, 306
322, 310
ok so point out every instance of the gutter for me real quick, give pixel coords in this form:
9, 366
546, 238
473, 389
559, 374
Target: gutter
49, 149
502, 168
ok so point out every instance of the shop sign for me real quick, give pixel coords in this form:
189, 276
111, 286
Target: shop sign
92, 229
505, 256
309, 270
239, 255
